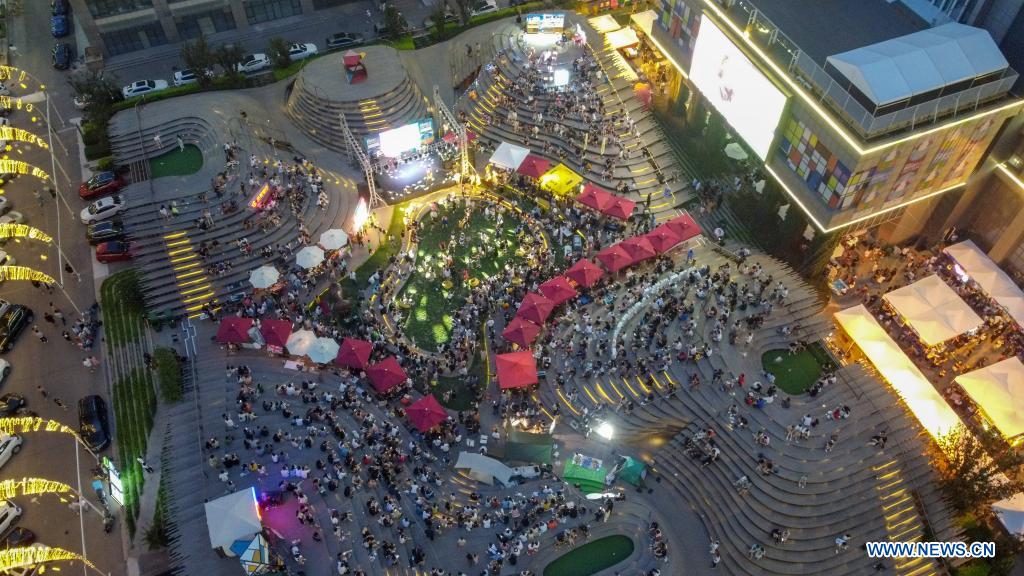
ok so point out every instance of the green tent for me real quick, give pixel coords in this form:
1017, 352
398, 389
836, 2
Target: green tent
633, 471
528, 447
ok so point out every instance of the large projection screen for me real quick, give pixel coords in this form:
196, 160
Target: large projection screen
747, 100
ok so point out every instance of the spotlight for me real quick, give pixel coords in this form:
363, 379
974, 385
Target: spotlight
605, 430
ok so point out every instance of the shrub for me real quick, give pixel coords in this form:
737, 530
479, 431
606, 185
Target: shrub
105, 163
168, 371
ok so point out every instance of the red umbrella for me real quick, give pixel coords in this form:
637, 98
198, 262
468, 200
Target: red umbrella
276, 332
520, 331
535, 308
558, 290
585, 273
663, 238
534, 166
639, 248
516, 369
426, 413
597, 198
614, 258
386, 374
234, 330
685, 226
620, 208
354, 353
449, 137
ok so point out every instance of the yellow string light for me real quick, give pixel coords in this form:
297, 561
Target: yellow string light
33, 424
8, 133
8, 231
12, 73
31, 486
16, 104
24, 273
30, 555
8, 166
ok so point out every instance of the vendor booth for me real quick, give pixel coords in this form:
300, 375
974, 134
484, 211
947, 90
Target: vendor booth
231, 518
933, 310
560, 180
973, 264
998, 392
509, 156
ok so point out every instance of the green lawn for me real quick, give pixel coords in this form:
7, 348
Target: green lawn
592, 557
379, 259
795, 373
134, 406
177, 162
463, 388
475, 249
121, 298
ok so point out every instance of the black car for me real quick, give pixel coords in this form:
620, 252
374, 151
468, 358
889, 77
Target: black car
62, 56
13, 319
343, 40
59, 7
18, 538
101, 232
92, 422
10, 403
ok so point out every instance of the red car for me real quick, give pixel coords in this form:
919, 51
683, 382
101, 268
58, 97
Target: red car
116, 251
100, 184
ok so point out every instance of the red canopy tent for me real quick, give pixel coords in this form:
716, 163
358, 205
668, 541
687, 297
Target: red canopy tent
685, 226
596, 197
426, 413
585, 273
276, 332
534, 166
234, 330
386, 374
620, 208
521, 331
614, 258
535, 308
639, 248
558, 290
663, 238
516, 369
354, 353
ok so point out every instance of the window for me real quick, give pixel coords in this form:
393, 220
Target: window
101, 8
258, 11
319, 4
134, 38
192, 25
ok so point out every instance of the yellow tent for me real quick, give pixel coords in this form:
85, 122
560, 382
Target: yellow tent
560, 180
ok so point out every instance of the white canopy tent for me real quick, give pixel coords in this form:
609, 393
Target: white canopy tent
998, 390
509, 156
928, 406
933, 309
233, 517
621, 38
644, 20
604, 23
990, 277
484, 469
1010, 512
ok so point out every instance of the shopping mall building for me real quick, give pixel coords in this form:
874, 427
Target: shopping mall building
866, 116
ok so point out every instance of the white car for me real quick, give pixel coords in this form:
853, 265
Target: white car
253, 63
10, 444
141, 87
183, 77
9, 514
6, 260
484, 7
12, 217
5, 370
103, 208
301, 51
526, 472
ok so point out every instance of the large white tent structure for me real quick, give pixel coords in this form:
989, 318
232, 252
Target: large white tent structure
483, 468
509, 156
927, 405
977, 266
1010, 512
933, 309
233, 517
998, 391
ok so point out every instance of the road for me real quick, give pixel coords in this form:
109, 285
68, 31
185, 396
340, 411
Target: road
56, 364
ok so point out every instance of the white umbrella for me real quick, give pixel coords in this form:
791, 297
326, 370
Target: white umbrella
735, 151
264, 277
333, 239
300, 342
309, 257
323, 350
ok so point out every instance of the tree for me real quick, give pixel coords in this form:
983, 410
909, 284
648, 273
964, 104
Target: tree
465, 10
394, 22
277, 50
975, 470
438, 14
228, 56
200, 58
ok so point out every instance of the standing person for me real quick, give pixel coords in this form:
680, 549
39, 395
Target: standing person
145, 466
157, 140
39, 197
181, 143
39, 334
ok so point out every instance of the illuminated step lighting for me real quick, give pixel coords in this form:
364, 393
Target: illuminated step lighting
194, 290
184, 242
205, 296
174, 235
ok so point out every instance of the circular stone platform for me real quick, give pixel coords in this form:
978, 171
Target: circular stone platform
386, 99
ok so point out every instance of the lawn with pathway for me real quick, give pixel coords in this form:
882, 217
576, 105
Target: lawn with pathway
795, 373
177, 162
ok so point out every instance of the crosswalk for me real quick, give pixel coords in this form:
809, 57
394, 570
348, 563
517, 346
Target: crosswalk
194, 286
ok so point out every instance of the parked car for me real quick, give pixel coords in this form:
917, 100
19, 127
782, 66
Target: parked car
59, 7
5, 370
18, 538
9, 514
302, 51
10, 403
106, 231
12, 217
187, 76
343, 40
62, 56
449, 18
59, 26
253, 63
10, 444
92, 422
483, 7
101, 183
141, 87
6, 259
114, 252
103, 208
13, 320
27, 570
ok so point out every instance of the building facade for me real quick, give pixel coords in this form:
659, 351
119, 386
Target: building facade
124, 26
857, 144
